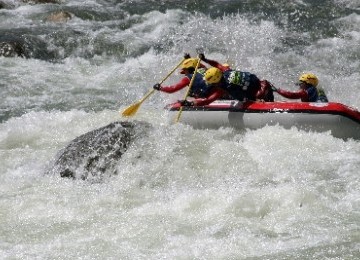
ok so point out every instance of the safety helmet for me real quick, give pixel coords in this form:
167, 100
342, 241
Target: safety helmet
213, 75
189, 63
309, 78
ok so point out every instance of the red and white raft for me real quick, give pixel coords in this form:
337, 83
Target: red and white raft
342, 121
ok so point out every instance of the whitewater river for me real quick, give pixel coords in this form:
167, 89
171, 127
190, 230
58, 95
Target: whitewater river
179, 193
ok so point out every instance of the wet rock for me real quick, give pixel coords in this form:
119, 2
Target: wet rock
7, 5
3, 5
42, 1
59, 17
96, 154
17, 43
12, 49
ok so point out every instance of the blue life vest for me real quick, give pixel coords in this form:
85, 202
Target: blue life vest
199, 88
240, 84
312, 94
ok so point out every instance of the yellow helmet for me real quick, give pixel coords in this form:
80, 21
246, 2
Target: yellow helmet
189, 63
213, 75
309, 78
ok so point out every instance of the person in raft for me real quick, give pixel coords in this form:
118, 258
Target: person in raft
308, 92
199, 88
238, 84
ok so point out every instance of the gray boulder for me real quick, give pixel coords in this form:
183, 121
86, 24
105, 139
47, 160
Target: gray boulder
96, 154
15, 43
12, 49
42, 1
7, 4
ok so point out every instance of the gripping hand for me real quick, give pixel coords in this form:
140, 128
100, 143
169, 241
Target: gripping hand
187, 56
202, 56
186, 103
157, 86
273, 88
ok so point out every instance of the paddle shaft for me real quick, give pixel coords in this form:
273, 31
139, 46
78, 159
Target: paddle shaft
188, 91
162, 81
132, 109
172, 71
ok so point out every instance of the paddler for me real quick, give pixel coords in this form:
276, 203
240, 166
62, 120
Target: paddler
238, 84
308, 90
199, 87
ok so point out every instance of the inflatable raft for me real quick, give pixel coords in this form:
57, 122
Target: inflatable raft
342, 121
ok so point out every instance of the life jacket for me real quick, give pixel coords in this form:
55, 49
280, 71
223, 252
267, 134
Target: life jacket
240, 84
199, 88
312, 94
321, 95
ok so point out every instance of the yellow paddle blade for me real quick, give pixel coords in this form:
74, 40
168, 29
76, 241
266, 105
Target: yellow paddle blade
131, 110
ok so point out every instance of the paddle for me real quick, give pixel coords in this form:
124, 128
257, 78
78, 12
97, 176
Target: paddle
188, 91
132, 109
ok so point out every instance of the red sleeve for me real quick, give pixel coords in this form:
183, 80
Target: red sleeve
293, 95
214, 95
202, 66
185, 81
217, 65
264, 88
261, 93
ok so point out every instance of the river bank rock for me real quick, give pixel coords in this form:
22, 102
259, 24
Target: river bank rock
59, 17
42, 1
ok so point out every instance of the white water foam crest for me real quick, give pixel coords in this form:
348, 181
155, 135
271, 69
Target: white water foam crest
228, 39
353, 4
175, 192
335, 62
198, 189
